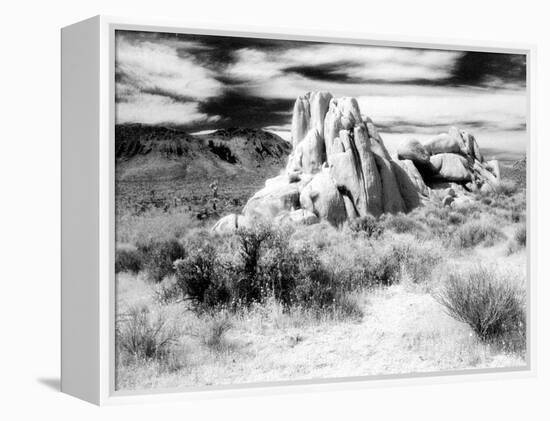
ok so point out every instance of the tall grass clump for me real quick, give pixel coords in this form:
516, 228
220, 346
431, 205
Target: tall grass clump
416, 259
475, 232
214, 335
367, 224
127, 259
144, 336
518, 241
401, 223
490, 303
505, 188
159, 257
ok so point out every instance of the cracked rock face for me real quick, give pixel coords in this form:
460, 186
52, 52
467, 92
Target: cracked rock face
340, 169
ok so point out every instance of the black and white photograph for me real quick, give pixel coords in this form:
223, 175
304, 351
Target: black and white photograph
292, 211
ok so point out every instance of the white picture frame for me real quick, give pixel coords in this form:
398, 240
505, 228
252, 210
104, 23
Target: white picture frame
88, 303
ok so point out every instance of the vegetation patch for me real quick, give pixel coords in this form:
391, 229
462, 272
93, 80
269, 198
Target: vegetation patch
490, 303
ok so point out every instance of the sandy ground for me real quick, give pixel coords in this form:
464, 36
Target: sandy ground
403, 330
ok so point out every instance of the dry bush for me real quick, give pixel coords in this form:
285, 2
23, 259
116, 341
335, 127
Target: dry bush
159, 257
213, 337
475, 232
200, 277
321, 236
417, 259
518, 241
167, 291
505, 188
400, 223
490, 303
127, 259
520, 235
142, 335
368, 225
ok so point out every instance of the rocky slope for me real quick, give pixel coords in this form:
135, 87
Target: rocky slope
339, 169
146, 152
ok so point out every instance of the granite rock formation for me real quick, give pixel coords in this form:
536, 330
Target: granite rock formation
339, 169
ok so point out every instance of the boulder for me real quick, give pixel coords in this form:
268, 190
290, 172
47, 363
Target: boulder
461, 141
344, 170
494, 167
369, 170
392, 202
410, 182
318, 107
442, 143
226, 224
332, 126
340, 169
447, 201
298, 216
310, 152
473, 148
451, 167
277, 196
484, 175
300, 119
349, 111
449, 191
414, 150
230, 223
322, 198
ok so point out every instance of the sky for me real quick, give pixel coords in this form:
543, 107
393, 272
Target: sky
200, 82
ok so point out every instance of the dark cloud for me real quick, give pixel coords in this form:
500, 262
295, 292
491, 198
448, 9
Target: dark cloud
483, 69
217, 52
239, 109
238, 100
327, 72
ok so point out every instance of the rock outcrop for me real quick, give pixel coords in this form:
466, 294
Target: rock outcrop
340, 169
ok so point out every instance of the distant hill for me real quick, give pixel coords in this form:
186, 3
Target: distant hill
156, 153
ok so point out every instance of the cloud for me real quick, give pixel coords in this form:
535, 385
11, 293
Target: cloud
157, 109
469, 109
151, 78
204, 82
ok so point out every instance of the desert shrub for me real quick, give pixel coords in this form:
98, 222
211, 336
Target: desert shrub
383, 268
470, 210
520, 235
321, 236
144, 336
159, 257
248, 284
127, 259
487, 201
455, 218
347, 306
401, 224
213, 337
489, 303
279, 267
504, 188
367, 224
167, 291
200, 277
415, 258
476, 232
518, 241
315, 285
